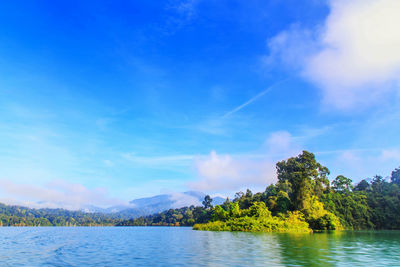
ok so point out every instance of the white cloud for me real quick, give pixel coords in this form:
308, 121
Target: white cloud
56, 194
184, 200
226, 173
281, 143
223, 172
354, 57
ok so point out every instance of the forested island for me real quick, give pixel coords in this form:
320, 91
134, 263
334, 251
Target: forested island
303, 200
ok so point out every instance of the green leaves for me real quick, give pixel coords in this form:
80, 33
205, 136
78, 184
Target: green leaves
304, 176
257, 218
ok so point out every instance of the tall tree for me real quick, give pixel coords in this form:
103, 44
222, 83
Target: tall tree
305, 176
342, 184
207, 202
378, 183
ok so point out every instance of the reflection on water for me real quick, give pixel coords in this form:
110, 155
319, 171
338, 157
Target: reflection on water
168, 246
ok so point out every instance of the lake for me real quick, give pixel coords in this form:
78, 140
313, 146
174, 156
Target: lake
181, 246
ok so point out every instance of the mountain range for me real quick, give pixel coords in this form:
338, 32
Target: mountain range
151, 205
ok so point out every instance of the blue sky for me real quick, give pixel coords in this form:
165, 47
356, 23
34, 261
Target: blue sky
102, 103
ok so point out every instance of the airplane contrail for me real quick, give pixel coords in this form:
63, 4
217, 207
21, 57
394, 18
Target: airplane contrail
252, 99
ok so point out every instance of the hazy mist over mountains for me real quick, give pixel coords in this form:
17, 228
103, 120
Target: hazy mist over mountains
151, 205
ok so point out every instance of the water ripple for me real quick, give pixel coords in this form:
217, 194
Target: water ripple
172, 246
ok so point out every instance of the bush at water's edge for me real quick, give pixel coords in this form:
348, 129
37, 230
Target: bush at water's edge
257, 218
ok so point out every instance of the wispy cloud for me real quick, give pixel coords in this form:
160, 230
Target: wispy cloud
347, 151
56, 194
252, 99
214, 126
183, 12
390, 154
156, 160
183, 200
178, 163
185, 7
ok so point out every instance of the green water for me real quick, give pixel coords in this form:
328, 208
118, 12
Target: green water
181, 246
373, 248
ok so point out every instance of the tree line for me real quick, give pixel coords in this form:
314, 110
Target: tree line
22, 216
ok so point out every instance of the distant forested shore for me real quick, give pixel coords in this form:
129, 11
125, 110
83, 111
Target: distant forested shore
23, 216
303, 200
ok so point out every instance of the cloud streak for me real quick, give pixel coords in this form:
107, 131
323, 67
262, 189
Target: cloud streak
238, 108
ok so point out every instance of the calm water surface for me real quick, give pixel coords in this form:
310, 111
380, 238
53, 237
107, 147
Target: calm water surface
170, 246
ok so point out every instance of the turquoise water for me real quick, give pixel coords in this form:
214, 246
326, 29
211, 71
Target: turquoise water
173, 246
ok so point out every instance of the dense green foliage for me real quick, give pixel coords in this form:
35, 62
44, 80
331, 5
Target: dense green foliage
186, 216
257, 218
304, 189
21, 216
